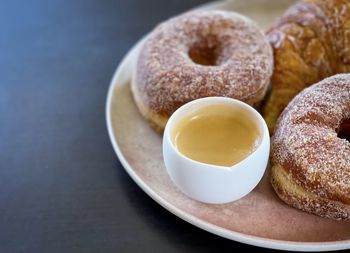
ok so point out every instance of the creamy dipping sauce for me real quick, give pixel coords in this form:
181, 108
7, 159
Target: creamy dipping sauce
216, 134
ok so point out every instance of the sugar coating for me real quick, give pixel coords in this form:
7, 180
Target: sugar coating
166, 77
306, 144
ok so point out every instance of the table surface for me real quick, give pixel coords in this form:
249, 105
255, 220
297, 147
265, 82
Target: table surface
62, 188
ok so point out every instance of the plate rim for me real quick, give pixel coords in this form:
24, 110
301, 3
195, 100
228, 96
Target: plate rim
214, 229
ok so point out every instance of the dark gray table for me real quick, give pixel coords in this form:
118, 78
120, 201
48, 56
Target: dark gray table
62, 189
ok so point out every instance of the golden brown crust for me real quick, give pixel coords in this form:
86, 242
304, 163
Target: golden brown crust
311, 41
156, 120
295, 196
310, 162
166, 77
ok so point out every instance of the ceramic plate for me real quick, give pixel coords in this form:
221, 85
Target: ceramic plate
260, 218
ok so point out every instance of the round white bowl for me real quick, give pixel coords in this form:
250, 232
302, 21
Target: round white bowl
212, 183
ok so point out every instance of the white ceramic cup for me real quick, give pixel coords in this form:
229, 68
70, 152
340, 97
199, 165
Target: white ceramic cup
212, 183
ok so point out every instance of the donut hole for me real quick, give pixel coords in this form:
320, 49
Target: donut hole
344, 130
205, 51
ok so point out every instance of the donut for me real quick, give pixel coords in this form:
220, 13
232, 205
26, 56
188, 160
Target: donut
310, 155
200, 54
311, 41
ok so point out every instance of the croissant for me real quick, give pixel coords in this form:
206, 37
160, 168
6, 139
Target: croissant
311, 41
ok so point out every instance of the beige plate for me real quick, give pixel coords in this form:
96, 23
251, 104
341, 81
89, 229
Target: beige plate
260, 218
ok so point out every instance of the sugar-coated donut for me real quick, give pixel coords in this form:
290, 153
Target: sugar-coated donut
200, 54
311, 150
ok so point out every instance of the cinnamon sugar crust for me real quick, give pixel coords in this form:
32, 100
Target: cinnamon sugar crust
307, 148
166, 77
